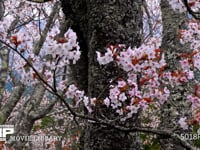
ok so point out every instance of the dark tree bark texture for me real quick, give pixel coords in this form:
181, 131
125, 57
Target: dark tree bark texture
97, 24
173, 21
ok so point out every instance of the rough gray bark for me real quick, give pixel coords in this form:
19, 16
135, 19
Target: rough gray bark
1, 9
27, 117
177, 105
7, 108
4, 54
97, 24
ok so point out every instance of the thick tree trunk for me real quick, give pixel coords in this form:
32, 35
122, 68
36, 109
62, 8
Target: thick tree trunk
97, 24
1, 9
177, 105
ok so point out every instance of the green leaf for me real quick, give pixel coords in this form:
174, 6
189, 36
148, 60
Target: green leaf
154, 146
47, 121
36, 127
197, 143
143, 136
195, 128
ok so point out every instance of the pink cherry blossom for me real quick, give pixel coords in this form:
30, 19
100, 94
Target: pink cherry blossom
183, 123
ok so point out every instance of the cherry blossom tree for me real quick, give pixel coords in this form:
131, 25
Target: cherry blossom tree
123, 73
26, 100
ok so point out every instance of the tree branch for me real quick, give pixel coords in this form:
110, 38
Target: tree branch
190, 11
40, 1
41, 112
7, 108
42, 39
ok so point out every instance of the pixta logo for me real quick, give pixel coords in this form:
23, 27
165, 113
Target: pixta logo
6, 130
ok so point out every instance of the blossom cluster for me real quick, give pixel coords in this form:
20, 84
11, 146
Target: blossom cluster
177, 5
190, 60
194, 4
65, 47
53, 56
142, 86
147, 83
191, 35
180, 6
